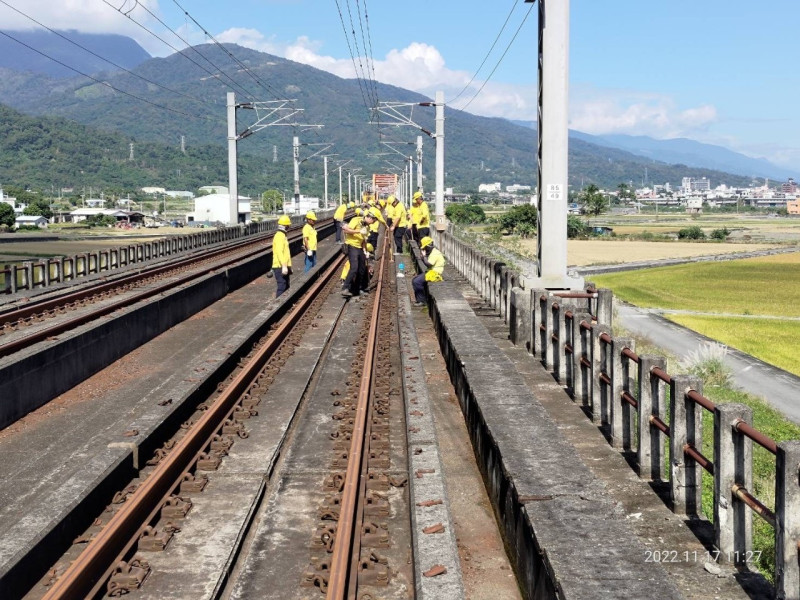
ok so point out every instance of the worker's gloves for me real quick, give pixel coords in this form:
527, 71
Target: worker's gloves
364, 231
285, 270
310, 253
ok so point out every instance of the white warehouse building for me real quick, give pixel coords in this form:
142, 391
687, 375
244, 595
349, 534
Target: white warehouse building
214, 208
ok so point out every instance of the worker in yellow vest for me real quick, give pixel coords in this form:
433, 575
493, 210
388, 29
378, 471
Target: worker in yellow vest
399, 223
355, 239
310, 240
281, 256
434, 261
423, 215
338, 218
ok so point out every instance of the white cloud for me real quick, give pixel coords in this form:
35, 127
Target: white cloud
85, 17
615, 111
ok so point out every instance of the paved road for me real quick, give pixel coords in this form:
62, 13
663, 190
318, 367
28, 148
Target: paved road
779, 388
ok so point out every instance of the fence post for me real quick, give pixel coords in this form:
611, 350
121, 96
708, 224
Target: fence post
549, 330
622, 424
651, 403
686, 428
581, 380
538, 319
519, 318
787, 520
559, 350
601, 392
733, 463
605, 303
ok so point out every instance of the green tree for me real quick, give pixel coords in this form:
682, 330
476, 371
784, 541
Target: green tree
522, 214
691, 233
575, 227
464, 214
625, 192
271, 201
6, 214
39, 207
594, 202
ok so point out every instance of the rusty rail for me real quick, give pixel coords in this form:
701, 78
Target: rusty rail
346, 526
88, 573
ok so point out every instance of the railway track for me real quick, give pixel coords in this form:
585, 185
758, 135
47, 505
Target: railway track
358, 493
39, 319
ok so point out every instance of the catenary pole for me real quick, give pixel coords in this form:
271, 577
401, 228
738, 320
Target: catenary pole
296, 153
440, 221
553, 107
419, 162
233, 182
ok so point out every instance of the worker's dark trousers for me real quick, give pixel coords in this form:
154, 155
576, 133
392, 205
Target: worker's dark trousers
399, 232
358, 266
418, 283
281, 280
424, 232
338, 231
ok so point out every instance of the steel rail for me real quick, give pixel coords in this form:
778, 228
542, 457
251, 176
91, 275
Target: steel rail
89, 572
345, 528
66, 325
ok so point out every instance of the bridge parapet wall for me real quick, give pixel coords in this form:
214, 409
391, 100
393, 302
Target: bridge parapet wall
646, 410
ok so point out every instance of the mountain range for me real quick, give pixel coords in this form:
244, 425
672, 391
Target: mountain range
154, 102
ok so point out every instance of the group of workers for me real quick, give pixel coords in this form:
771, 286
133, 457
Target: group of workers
359, 238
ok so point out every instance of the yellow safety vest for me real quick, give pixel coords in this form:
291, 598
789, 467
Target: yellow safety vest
280, 250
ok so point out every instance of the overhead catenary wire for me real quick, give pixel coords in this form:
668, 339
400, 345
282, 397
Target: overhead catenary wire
105, 83
181, 52
367, 55
500, 60
352, 56
372, 64
364, 72
243, 66
111, 62
514, 5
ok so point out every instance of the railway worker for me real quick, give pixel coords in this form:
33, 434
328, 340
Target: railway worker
281, 256
374, 228
423, 215
387, 209
434, 261
399, 224
355, 237
310, 240
338, 217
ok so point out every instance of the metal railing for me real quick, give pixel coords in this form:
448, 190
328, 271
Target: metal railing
648, 411
30, 275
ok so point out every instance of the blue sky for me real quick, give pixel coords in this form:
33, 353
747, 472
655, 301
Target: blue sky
722, 72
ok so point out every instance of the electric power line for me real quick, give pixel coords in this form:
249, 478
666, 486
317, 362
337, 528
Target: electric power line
74, 43
350, 49
246, 69
485, 58
246, 92
105, 83
525, 18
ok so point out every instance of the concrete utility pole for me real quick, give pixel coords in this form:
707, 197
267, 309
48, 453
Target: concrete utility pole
131, 154
440, 220
183, 144
296, 154
553, 109
233, 177
325, 170
419, 162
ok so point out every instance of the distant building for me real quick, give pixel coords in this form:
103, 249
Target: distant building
214, 208
214, 189
306, 204
179, 194
793, 207
28, 220
695, 185
513, 189
122, 216
95, 203
490, 188
790, 187
154, 190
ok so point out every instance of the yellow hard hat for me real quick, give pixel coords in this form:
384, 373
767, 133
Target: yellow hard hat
417, 195
425, 242
351, 204
310, 215
391, 199
370, 248
358, 211
382, 201
284, 220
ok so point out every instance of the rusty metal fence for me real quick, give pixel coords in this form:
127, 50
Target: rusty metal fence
30, 275
647, 411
